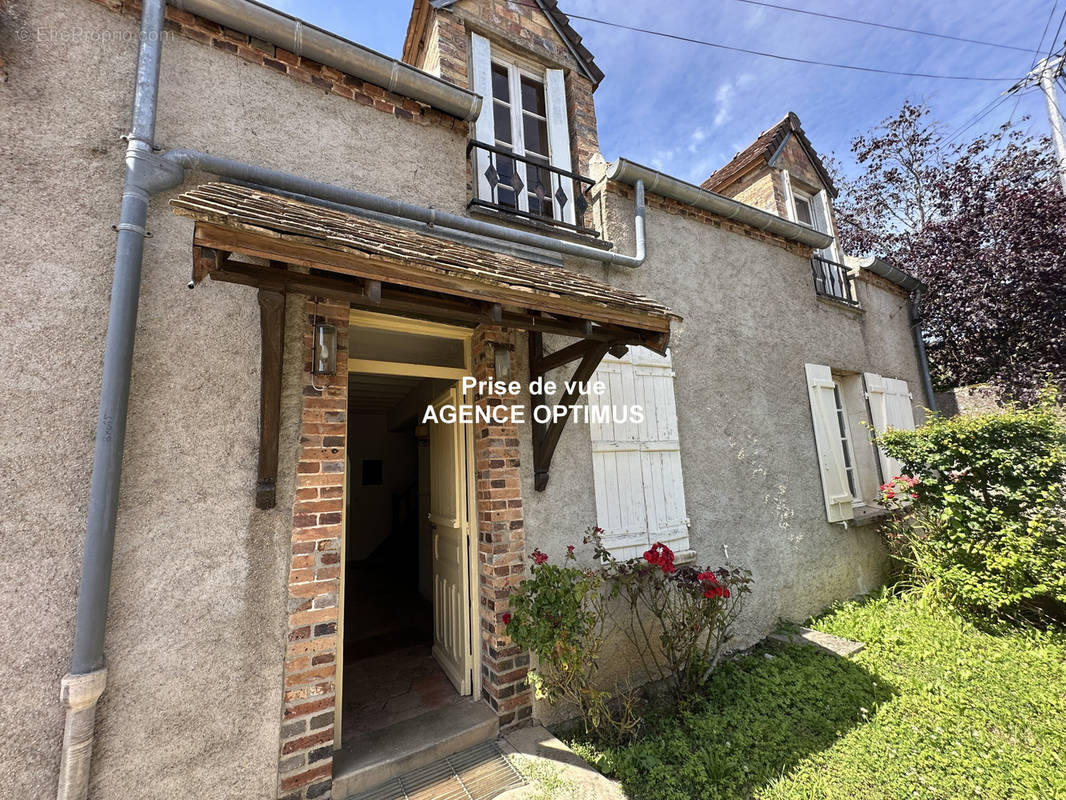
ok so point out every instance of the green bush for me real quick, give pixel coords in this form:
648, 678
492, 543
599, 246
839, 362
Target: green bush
985, 523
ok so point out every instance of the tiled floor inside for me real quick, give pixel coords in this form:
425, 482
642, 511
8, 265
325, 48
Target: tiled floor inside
383, 690
390, 674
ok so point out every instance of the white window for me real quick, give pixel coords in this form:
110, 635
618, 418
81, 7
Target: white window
890, 407
640, 494
803, 209
524, 113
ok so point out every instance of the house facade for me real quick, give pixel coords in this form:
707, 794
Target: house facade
288, 558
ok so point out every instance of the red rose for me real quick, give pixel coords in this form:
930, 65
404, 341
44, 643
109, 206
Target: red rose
569, 551
538, 557
507, 618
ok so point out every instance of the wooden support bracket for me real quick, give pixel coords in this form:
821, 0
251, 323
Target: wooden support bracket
546, 435
272, 330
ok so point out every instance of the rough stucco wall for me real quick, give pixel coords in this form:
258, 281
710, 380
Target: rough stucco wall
752, 485
195, 636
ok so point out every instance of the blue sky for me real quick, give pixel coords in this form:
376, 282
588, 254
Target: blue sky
686, 109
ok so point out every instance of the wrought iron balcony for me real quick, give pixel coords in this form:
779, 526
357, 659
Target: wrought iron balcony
833, 280
528, 186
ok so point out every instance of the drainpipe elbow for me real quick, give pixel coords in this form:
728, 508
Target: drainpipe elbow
639, 232
148, 172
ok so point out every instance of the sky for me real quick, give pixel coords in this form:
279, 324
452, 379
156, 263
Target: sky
686, 109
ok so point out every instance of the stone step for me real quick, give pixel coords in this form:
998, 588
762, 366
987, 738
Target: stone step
370, 759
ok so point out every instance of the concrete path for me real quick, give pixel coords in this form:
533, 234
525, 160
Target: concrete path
554, 771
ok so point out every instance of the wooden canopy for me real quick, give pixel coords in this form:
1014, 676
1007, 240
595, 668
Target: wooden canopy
311, 249
406, 271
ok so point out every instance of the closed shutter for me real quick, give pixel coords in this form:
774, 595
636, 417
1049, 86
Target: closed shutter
828, 441
890, 407
559, 140
640, 494
481, 62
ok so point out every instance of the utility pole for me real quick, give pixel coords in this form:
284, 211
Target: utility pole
1044, 74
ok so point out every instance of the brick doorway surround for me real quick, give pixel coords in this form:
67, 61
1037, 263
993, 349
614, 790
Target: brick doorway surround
307, 735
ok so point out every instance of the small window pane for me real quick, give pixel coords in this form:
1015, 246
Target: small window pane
501, 89
803, 211
540, 177
536, 132
532, 95
504, 192
501, 116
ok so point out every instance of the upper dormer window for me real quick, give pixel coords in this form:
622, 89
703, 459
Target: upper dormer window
803, 209
520, 124
521, 141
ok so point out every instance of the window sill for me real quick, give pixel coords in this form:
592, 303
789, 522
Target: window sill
844, 305
682, 557
589, 239
868, 515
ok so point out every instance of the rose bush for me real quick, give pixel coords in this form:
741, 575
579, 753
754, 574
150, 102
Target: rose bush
679, 619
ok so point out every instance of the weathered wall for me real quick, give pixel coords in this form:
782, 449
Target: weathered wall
195, 636
752, 485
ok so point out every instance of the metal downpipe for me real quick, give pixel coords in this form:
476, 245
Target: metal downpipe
81, 689
272, 178
919, 347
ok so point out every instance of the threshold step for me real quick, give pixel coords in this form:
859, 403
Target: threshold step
368, 760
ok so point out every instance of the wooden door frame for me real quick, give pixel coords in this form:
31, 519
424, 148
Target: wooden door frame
386, 322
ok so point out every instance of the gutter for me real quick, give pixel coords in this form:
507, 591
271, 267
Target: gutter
911, 284
241, 172
309, 41
663, 185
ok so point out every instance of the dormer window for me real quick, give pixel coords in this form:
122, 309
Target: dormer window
520, 124
521, 142
803, 209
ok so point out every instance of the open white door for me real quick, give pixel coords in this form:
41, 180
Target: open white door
450, 530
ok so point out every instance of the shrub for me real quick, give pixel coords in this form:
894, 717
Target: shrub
679, 618
982, 512
559, 614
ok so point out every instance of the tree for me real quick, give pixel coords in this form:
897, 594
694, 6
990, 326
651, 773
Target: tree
983, 225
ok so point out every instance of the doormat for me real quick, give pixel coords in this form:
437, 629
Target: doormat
477, 773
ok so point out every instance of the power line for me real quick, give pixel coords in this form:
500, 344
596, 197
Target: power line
886, 26
792, 59
988, 108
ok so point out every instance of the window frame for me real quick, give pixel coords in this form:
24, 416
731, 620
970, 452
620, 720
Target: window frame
515, 72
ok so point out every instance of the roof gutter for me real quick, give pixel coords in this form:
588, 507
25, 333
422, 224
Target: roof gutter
889, 272
306, 40
630, 173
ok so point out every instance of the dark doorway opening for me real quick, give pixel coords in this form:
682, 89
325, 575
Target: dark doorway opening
390, 674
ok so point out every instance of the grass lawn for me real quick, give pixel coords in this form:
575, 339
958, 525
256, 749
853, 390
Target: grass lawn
932, 708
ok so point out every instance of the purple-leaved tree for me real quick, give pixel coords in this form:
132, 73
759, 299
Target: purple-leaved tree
983, 225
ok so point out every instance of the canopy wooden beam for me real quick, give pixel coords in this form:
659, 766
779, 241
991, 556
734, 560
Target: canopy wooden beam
272, 333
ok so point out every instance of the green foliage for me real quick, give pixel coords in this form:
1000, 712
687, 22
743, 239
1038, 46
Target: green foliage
677, 620
986, 526
931, 708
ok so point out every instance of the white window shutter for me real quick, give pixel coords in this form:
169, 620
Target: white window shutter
790, 199
484, 130
890, 407
835, 489
640, 495
900, 410
559, 139
820, 213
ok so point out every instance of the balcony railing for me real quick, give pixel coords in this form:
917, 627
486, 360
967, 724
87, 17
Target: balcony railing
528, 186
833, 280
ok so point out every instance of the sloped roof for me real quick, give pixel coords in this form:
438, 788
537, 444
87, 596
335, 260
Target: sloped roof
562, 26
766, 148
407, 257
